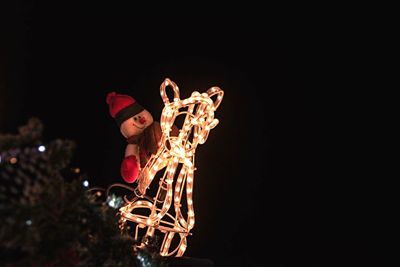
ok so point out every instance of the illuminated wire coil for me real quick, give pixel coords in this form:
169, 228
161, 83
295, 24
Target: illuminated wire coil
174, 151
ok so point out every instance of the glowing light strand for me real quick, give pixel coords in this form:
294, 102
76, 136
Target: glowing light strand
174, 151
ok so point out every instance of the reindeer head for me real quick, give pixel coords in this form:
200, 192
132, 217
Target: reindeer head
199, 111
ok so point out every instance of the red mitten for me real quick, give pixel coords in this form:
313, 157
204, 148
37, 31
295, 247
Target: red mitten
130, 169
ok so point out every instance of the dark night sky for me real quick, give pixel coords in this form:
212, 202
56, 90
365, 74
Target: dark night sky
261, 161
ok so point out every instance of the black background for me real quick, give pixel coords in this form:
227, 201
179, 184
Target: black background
256, 188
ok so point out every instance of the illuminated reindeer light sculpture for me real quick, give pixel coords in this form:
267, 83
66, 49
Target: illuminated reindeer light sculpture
174, 160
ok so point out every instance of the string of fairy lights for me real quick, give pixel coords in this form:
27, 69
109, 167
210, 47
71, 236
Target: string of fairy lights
41, 149
14, 159
174, 152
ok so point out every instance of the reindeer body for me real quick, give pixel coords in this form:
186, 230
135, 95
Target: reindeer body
174, 160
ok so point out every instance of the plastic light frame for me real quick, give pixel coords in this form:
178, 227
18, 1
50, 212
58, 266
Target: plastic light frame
173, 151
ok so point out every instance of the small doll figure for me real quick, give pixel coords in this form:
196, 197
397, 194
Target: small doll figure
142, 133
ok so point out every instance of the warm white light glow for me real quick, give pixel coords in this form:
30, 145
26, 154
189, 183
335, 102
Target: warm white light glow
13, 160
174, 152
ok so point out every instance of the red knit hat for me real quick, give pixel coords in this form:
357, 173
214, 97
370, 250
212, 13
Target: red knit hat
122, 107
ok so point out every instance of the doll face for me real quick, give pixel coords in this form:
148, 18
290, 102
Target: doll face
136, 124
